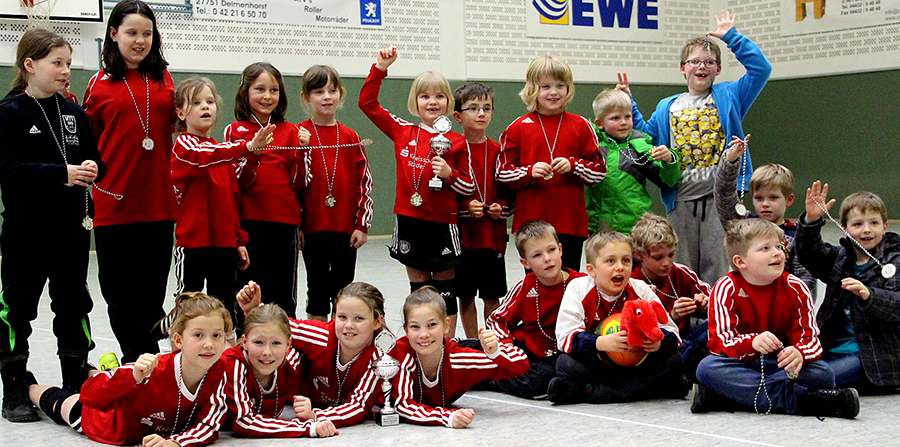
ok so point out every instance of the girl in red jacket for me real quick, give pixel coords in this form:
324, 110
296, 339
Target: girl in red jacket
209, 229
164, 400
269, 209
130, 104
263, 376
436, 370
336, 203
340, 383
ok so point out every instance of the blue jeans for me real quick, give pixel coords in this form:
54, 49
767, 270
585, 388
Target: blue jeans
847, 368
739, 381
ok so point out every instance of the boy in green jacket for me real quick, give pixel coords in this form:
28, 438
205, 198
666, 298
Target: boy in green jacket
631, 159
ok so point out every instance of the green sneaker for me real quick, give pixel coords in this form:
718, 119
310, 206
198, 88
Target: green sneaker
108, 362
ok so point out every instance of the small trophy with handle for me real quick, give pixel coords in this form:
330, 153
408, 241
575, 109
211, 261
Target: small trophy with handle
386, 367
440, 145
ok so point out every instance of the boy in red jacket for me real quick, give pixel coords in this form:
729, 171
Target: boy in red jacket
763, 335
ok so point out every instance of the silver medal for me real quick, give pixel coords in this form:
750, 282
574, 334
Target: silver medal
87, 223
741, 209
888, 271
147, 144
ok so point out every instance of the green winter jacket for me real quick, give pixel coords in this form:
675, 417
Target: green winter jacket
621, 198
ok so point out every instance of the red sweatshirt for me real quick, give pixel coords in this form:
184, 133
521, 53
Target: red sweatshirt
267, 181
529, 312
118, 411
207, 192
252, 411
739, 311
413, 156
524, 143
344, 394
421, 403
484, 232
141, 177
346, 170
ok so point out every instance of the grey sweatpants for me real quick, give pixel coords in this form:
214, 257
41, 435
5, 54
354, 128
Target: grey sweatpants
700, 238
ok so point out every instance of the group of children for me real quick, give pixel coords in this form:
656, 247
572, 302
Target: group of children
274, 188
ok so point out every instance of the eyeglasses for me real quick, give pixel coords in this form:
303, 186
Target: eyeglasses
696, 63
486, 109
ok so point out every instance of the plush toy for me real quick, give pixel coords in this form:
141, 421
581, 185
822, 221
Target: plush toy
641, 319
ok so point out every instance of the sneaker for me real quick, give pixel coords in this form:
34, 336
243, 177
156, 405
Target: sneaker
562, 392
839, 403
108, 362
703, 399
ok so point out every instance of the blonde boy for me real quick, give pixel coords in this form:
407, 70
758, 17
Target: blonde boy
583, 377
772, 191
631, 159
763, 317
527, 315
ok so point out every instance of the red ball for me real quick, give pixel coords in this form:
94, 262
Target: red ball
626, 359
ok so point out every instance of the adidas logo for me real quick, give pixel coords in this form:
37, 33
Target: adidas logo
34, 130
412, 142
158, 415
533, 293
146, 421
528, 121
743, 294
446, 251
241, 129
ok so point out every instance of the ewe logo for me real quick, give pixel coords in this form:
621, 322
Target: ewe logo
617, 20
554, 12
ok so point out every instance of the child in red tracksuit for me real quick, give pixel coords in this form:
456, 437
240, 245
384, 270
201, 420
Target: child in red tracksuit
338, 378
426, 239
263, 376
162, 399
482, 217
549, 155
208, 229
435, 371
270, 211
337, 206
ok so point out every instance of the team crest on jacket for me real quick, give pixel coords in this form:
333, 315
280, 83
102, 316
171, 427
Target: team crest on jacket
69, 122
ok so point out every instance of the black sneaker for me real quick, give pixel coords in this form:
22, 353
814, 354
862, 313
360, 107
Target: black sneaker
703, 399
839, 403
562, 392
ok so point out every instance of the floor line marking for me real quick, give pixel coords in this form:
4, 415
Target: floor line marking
93, 337
608, 418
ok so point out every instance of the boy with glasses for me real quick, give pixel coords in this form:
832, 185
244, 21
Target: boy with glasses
697, 125
482, 216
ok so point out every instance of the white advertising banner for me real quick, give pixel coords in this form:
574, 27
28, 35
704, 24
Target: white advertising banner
331, 13
610, 20
800, 17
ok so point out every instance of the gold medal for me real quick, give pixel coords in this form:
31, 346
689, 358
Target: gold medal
329, 201
87, 223
416, 200
147, 143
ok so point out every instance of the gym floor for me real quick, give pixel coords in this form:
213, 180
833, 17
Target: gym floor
500, 420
